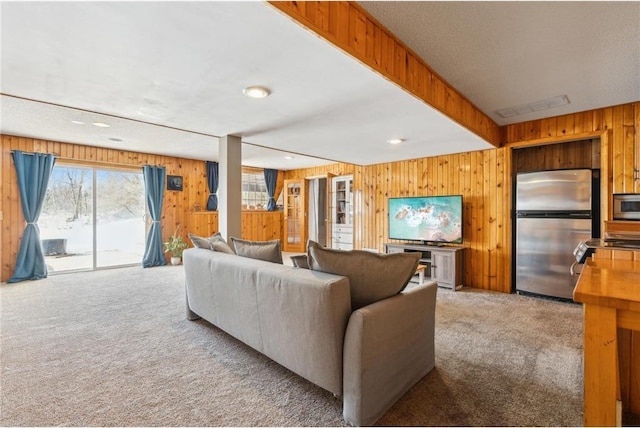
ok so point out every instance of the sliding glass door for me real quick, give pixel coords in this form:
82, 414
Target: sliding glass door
120, 209
92, 218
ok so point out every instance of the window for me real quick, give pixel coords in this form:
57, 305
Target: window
254, 191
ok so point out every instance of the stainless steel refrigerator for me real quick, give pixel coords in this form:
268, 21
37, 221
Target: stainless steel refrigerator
554, 212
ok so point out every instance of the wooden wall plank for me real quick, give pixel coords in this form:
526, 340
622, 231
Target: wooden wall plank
627, 148
636, 168
618, 153
491, 234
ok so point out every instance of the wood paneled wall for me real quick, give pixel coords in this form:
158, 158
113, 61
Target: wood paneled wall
262, 225
349, 27
176, 209
483, 178
256, 225
202, 223
477, 176
623, 121
332, 169
579, 154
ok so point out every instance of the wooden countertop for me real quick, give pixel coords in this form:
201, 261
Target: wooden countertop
611, 283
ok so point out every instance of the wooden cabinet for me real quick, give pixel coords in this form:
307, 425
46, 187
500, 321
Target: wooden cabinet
262, 225
442, 264
295, 216
256, 225
201, 223
342, 212
609, 291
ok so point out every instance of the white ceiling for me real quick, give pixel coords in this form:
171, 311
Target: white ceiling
168, 76
502, 54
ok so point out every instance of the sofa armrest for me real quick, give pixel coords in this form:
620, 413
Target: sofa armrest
388, 348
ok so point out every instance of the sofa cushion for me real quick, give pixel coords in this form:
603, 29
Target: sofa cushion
300, 261
215, 242
200, 242
372, 276
222, 247
269, 251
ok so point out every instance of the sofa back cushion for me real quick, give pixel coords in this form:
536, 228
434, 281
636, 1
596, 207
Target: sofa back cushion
199, 241
215, 243
372, 276
300, 261
221, 246
268, 251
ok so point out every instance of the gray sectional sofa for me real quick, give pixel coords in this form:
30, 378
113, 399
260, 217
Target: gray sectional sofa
303, 319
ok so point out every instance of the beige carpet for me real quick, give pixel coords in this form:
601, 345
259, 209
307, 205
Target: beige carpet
113, 348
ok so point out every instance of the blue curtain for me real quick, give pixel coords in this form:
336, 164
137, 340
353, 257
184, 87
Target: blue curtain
154, 190
271, 178
33, 171
212, 180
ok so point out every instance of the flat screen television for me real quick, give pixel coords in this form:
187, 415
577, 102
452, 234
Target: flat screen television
430, 219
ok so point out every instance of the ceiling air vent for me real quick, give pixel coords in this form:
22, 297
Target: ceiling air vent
558, 101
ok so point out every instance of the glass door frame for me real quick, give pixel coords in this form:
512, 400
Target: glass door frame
94, 168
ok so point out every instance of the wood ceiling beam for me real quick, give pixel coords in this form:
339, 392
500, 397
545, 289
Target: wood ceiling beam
350, 28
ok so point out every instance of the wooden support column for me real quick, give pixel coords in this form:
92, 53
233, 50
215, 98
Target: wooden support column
230, 188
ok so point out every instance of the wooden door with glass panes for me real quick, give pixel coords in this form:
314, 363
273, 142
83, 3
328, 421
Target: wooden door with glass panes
295, 216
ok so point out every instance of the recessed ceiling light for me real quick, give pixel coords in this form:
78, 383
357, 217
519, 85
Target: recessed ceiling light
101, 124
77, 122
117, 140
395, 141
288, 157
256, 91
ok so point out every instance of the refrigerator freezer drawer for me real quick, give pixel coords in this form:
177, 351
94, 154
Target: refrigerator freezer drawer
544, 254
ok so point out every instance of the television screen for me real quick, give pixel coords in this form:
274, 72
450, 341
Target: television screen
426, 218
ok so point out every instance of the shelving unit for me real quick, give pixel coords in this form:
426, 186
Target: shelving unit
342, 212
442, 264
295, 216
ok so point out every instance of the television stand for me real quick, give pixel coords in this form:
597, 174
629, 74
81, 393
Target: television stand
443, 264
432, 244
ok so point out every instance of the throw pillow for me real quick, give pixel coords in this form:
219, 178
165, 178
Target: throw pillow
215, 242
216, 237
372, 276
269, 251
200, 242
221, 246
300, 261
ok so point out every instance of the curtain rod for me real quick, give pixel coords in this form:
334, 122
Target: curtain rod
34, 153
88, 161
